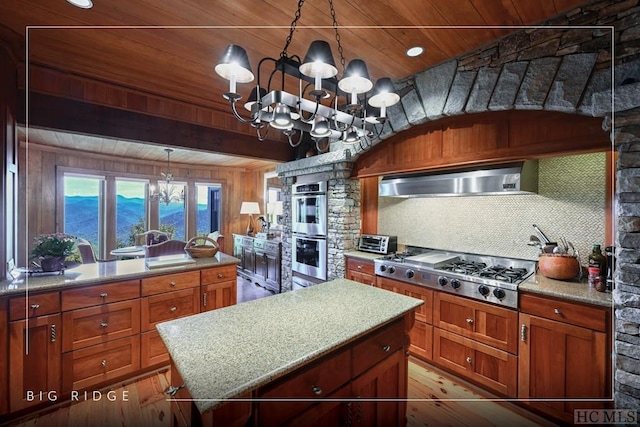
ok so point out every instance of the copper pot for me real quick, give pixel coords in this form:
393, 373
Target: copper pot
559, 266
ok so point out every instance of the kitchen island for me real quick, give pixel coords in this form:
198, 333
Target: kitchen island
339, 339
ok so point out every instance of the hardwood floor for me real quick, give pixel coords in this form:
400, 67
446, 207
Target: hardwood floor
434, 399
248, 291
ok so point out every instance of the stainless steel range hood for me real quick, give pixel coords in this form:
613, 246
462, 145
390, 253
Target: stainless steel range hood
512, 178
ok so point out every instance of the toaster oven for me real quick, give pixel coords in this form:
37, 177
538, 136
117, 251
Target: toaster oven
378, 244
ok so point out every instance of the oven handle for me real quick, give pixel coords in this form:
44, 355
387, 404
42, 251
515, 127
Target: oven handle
316, 237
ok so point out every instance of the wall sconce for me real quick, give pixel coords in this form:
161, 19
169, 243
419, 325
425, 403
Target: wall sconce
250, 208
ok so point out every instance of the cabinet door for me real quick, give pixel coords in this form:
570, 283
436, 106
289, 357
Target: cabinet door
249, 259
388, 379
360, 277
34, 357
334, 411
494, 369
421, 336
486, 323
219, 295
4, 356
273, 270
168, 306
261, 265
558, 360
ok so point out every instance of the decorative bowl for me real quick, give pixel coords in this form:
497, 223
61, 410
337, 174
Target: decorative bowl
559, 266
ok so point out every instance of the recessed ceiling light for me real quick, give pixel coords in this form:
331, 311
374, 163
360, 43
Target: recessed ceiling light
412, 51
84, 4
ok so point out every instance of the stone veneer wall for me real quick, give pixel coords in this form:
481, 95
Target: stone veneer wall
566, 68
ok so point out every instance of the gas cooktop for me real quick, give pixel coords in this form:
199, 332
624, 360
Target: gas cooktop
489, 278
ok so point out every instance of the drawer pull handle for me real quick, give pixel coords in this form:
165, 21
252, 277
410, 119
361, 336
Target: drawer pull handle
469, 320
103, 363
557, 311
104, 324
469, 360
172, 390
172, 283
316, 390
53, 333
359, 267
386, 348
523, 333
35, 306
220, 275
103, 295
172, 309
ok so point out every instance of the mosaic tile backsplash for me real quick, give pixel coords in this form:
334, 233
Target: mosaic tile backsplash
570, 203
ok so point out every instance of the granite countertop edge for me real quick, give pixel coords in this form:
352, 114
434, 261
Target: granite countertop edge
578, 291
136, 269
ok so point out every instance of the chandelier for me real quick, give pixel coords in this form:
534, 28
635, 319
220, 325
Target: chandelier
326, 108
167, 193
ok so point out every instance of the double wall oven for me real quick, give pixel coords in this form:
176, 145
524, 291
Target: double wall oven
309, 233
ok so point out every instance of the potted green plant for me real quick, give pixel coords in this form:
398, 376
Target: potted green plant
51, 250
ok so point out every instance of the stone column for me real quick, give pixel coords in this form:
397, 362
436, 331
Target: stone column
626, 295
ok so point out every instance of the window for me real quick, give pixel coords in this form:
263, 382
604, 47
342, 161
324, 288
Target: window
172, 216
131, 210
208, 204
83, 207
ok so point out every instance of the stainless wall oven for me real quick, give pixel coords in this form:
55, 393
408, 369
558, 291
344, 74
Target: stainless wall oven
309, 209
310, 256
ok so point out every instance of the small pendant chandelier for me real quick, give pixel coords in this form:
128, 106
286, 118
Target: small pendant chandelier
358, 117
167, 192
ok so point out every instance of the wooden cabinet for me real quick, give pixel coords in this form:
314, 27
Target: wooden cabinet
34, 359
219, 288
4, 355
261, 261
360, 270
564, 353
422, 332
100, 294
34, 305
477, 341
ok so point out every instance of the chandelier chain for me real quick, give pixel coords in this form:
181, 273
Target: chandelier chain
335, 27
292, 28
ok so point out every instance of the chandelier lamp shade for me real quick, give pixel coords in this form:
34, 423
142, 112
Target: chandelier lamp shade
350, 109
167, 192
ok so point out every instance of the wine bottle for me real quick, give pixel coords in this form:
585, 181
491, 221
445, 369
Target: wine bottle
597, 269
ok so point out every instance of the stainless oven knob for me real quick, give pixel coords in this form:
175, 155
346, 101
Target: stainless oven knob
484, 291
455, 283
442, 281
392, 269
383, 268
499, 293
410, 274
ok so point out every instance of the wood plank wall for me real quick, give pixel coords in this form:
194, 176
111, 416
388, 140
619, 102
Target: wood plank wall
37, 186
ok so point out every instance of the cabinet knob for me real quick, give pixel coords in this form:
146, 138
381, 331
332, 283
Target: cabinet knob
316, 390
103, 363
220, 275
35, 306
172, 309
172, 390
359, 267
103, 295
386, 348
469, 360
172, 283
104, 324
469, 320
557, 311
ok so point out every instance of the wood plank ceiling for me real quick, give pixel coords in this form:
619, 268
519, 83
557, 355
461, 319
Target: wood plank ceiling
170, 47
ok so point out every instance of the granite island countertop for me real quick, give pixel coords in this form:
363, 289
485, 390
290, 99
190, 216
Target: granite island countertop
105, 272
225, 353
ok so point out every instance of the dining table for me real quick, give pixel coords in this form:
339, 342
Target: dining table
128, 252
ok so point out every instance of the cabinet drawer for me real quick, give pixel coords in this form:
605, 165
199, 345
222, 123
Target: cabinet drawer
381, 344
152, 350
218, 275
494, 369
421, 338
360, 265
96, 325
592, 317
104, 362
100, 294
169, 306
312, 383
39, 305
486, 323
170, 282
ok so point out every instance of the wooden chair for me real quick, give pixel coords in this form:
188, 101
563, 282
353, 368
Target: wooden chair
87, 253
168, 247
151, 237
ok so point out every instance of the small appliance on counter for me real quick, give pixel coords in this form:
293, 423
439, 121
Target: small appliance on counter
378, 244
